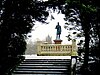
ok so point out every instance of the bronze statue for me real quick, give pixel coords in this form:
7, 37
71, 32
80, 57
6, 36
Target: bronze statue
58, 27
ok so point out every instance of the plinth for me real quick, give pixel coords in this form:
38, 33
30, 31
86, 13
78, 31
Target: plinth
57, 41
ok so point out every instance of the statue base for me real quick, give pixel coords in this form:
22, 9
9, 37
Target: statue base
57, 41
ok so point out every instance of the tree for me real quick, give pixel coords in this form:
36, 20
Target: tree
89, 16
87, 10
17, 18
31, 48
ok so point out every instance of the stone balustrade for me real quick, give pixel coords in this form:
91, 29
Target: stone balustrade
56, 49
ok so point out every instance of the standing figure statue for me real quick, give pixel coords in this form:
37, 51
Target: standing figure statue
58, 27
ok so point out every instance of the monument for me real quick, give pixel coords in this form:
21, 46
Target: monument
57, 49
58, 33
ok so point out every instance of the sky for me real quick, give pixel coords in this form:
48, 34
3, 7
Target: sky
41, 31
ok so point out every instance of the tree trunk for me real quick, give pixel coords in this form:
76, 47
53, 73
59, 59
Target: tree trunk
86, 29
86, 56
98, 28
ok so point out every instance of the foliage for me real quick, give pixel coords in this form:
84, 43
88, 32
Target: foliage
87, 18
31, 47
17, 18
10, 63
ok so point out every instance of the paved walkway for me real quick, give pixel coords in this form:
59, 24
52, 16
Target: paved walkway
46, 57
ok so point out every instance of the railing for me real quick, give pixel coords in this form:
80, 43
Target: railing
58, 49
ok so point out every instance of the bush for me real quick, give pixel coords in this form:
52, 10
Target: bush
9, 64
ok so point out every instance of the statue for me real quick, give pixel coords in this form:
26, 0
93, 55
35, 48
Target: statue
58, 27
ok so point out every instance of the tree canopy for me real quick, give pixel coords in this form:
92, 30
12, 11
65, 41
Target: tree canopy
88, 19
17, 18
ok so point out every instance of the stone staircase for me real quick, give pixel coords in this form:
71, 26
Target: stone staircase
44, 67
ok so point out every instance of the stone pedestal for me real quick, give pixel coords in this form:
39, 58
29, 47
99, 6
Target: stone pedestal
57, 41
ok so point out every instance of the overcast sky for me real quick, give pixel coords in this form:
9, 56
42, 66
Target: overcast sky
41, 31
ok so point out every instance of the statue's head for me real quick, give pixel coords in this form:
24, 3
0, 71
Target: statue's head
58, 23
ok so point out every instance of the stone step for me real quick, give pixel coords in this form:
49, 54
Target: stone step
46, 66
60, 61
43, 64
43, 67
24, 69
39, 72
46, 62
